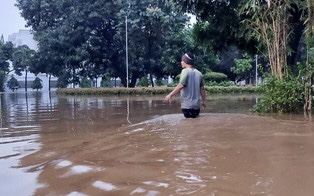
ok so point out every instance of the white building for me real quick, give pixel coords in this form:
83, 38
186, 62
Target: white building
25, 37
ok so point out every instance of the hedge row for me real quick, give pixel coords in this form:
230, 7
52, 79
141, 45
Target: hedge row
231, 89
150, 90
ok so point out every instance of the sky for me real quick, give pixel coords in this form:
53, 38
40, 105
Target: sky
10, 19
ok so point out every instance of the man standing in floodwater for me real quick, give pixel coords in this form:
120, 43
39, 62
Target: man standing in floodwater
191, 88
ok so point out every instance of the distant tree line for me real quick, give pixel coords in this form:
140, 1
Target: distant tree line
86, 39
22, 58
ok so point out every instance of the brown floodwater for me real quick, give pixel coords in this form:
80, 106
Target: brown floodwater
79, 146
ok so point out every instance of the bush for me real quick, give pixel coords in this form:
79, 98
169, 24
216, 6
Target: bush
105, 82
85, 83
13, 84
143, 82
214, 77
283, 96
223, 83
37, 84
62, 82
159, 82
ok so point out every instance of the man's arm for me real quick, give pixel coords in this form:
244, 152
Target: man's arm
203, 96
175, 91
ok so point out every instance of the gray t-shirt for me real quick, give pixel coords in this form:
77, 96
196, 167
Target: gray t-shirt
192, 80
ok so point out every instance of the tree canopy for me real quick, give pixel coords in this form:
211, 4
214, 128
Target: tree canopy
87, 38
220, 25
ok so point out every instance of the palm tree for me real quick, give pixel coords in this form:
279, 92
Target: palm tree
22, 58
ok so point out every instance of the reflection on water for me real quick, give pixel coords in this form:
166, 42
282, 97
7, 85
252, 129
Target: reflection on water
142, 146
19, 137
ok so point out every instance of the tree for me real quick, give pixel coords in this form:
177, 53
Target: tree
85, 83
13, 84
37, 84
243, 68
269, 24
182, 42
47, 59
151, 25
215, 77
87, 38
220, 24
6, 51
22, 61
80, 34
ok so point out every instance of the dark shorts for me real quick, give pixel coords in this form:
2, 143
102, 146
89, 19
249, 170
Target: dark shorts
190, 113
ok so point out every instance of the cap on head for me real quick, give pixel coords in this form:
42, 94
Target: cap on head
188, 58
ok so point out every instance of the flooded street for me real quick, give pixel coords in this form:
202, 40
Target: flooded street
86, 146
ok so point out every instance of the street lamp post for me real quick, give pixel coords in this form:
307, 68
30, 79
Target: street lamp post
126, 46
126, 51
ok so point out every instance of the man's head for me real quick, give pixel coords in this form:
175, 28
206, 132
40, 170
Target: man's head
187, 60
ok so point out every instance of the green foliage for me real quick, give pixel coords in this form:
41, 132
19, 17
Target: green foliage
214, 77
143, 82
105, 82
2, 80
242, 68
159, 82
311, 55
6, 51
62, 81
182, 42
172, 84
37, 84
219, 24
85, 83
22, 59
284, 96
90, 36
223, 83
230, 89
13, 84
271, 25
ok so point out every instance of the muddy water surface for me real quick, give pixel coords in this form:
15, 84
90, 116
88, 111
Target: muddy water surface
80, 146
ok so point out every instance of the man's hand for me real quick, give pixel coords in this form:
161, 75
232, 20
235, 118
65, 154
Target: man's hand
203, 104
167, 98
175, 91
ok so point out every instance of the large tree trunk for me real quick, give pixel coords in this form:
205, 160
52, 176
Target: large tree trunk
49, 80
133, 79
123, 80
151, 79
